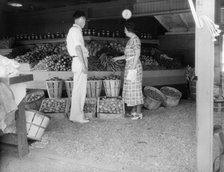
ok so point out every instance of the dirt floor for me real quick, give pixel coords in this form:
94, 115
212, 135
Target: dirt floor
163, 141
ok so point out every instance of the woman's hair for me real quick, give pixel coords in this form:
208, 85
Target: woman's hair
78, 14
130, 26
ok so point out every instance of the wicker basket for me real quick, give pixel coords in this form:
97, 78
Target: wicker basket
36, 123
69, 88
35, 104
112, 87
170, 100
94, 88
54, 88
93, 103
150, 102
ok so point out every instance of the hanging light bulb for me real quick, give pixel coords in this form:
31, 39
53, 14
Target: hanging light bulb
15, 4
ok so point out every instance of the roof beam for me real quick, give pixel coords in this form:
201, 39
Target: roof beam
183, 19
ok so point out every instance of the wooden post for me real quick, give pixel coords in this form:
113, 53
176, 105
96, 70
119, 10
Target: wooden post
21, 130
204, 66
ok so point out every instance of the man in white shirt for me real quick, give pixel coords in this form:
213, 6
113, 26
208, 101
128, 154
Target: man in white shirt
77, 50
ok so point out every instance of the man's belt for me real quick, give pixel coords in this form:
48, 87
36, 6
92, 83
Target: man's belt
74, 56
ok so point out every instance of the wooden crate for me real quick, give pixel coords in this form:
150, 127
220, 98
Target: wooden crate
54, 102
109, 115
218, 106
36, 123
35, 104
93, 102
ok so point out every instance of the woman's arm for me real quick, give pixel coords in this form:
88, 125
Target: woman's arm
119, 58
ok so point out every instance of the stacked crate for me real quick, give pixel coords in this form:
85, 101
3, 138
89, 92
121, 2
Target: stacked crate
111, 106
55, 103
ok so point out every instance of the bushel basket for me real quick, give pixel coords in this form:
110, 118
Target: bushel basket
172, 96
112, 87
153, 98
69, 88
94, 88
54, 88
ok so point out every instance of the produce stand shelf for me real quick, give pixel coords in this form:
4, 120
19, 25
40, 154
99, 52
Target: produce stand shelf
152, 78
88, 38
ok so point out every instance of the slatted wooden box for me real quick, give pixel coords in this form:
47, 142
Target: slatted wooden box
110, 108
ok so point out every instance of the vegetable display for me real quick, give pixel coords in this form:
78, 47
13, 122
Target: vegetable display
153, 94
111, 105
53, 105
54, 57
112, 77
32, 97
170, 92
89, 108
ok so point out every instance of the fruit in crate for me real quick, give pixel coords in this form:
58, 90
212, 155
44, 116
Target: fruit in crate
111, 105
53, 105
32, 97
88, 108
112, 77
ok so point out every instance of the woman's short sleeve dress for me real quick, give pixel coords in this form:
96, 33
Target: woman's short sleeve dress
132, 90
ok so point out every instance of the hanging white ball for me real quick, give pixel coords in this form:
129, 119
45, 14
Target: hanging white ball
126, 14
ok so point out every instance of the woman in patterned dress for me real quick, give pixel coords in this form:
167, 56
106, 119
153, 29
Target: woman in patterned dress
132, 90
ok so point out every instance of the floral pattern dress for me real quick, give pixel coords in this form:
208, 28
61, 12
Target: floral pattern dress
132, 90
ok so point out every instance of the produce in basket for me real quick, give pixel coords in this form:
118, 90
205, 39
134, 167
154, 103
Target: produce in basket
94, 78
112, 77
55, 79
69, 79
170, 92
153, 94
54, 105
111, 106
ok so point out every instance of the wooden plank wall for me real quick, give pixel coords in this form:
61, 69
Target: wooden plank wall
155, 7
